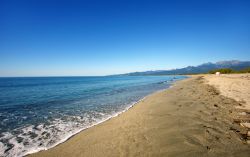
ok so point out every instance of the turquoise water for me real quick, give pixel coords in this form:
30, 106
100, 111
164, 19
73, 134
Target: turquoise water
37, 113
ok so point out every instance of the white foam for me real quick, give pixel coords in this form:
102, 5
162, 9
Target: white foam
59, 131
2, 148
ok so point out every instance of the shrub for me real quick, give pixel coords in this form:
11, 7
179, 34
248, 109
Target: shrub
246, 70
229, 71
222, 71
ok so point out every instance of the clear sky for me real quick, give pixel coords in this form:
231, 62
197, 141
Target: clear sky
90, 37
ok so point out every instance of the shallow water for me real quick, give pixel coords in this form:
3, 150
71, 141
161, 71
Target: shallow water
40, 112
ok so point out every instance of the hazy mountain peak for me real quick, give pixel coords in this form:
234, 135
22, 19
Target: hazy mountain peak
203, 68
231, 62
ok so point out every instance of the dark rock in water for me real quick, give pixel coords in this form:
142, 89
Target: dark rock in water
19, 139
9, 147
25, 143
44, 132
32, 135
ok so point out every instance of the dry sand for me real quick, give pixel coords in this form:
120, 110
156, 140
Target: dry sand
190, 119
236, 86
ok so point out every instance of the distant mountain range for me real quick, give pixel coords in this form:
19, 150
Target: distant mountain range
203, 68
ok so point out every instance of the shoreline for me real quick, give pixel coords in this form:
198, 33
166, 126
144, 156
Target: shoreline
66, 148
101, 121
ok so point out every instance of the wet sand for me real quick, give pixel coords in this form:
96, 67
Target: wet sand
190, 119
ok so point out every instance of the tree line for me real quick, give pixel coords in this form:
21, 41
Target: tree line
229, 71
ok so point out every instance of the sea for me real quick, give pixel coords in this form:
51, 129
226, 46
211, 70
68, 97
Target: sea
37, 113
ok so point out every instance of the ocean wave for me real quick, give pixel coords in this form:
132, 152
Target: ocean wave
31, 139
49, 127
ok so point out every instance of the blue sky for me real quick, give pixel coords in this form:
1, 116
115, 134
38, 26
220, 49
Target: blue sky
89, 37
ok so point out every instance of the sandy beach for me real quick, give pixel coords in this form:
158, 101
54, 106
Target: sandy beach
235, 86
196, 117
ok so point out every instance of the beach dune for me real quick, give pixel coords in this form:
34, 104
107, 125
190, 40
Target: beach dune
190, 119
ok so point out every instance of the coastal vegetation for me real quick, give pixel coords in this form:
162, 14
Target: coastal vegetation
229, 71
227, 67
